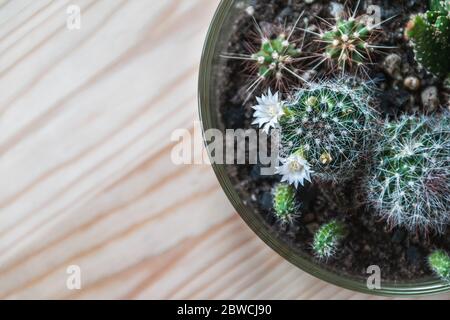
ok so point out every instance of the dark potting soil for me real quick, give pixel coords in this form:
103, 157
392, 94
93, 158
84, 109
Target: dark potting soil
400, 255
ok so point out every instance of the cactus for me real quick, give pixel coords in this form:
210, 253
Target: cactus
328, 238
274, 55
430, 35
275, 59
328, 125
349, 43
285, 205
439, 262
410, 183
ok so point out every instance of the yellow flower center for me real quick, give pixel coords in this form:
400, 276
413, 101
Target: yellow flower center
273, 110
295, 166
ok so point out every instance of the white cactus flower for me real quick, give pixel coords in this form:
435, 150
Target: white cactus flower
268, 111
295, 170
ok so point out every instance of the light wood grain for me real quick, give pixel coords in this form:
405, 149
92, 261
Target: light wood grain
85, 171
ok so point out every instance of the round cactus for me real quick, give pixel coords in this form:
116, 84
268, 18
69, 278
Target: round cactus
348, 43
274, 58
439, 262
285, 205
274, 55
328, 125
410, 183
327, 239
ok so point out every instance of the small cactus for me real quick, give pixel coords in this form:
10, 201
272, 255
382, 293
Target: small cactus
285, 205
274, 60
349, 43
410, 183
430, 34
439, 262
274, 55
328, 125
328, 238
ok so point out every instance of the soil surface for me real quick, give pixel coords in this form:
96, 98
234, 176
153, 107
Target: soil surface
401, 255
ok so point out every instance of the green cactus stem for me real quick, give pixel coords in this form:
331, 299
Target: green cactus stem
328, 238
430, 35
439, 262
285, 205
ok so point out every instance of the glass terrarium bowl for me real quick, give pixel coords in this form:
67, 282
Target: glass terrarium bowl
217, 38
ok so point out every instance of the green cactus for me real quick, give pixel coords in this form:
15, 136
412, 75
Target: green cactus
284, 203
348, 43
439, 262
430, 34
410, 182
274, 55
328, 238
328, 125
274, 59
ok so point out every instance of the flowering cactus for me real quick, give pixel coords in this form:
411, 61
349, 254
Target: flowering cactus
325, 130
430, 34
439, 262
285, 205
327, 239
410, 184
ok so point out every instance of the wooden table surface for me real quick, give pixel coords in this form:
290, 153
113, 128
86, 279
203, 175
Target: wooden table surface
85, 171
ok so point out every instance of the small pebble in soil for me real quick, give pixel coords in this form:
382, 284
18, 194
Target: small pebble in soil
430, 98
392, 65
336, 9
412, 83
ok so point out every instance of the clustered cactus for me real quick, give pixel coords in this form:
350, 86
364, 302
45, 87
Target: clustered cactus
430, 34
328, 128
410, 184
328, 238
327, 124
